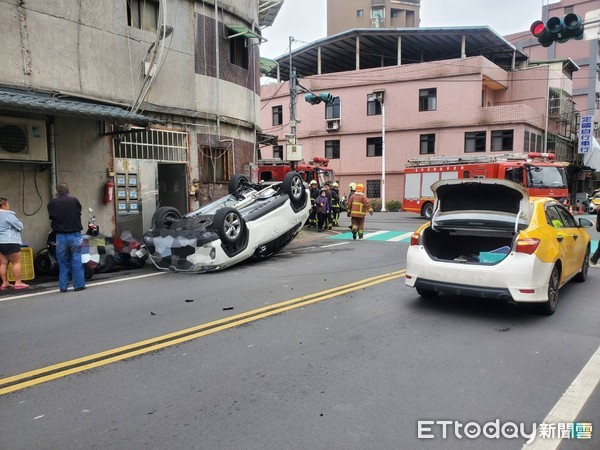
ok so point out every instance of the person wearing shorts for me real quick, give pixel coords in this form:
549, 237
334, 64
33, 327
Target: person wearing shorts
10, 246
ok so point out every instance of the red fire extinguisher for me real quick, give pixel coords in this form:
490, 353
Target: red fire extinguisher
109, 192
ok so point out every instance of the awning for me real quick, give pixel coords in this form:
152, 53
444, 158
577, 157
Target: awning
241, 31
267, 65
263, 139
267, 11
38, 103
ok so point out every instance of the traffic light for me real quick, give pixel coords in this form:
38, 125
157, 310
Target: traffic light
315, 99
557, 30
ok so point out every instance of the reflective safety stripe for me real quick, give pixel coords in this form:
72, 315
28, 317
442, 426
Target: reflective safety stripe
357, 210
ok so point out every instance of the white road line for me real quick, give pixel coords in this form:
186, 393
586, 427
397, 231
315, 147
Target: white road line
334, 245
373, 234
569, 405
402, 236
88, 285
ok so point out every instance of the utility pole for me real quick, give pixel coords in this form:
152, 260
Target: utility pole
293, 96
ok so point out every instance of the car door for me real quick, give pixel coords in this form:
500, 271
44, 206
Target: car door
573, 243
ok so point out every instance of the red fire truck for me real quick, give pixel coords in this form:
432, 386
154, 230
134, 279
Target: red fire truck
538, 172
275, 170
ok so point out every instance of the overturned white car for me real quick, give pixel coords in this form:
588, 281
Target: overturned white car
254, 220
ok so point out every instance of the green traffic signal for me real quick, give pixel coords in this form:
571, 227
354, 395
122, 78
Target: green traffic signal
315, 99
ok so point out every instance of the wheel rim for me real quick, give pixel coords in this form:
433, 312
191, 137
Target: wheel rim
586, 264
553, 288
232, 225
428, 211
297, 187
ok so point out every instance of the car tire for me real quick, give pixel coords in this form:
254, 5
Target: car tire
293, 186
163, 217
427, 211
549, 307
42, 264
582, 276
229, 225
87, 272
236, 181
426, 293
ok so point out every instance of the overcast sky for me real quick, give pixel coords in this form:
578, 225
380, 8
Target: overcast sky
306, 20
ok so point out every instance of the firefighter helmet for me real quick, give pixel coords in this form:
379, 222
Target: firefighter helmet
360, 188
352, 186
313, 182
335, 185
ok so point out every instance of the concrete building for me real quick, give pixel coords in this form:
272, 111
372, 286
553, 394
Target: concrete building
451, 92
158, 97
344, 15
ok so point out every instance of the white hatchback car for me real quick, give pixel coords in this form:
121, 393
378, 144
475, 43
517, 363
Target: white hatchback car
254, 220
487, 238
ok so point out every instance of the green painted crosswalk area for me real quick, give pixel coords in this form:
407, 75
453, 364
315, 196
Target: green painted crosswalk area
396, 236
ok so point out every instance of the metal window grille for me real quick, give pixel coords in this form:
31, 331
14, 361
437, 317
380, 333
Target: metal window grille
373, 188
158, 145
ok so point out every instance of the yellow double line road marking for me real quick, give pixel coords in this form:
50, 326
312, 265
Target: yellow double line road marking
38, 376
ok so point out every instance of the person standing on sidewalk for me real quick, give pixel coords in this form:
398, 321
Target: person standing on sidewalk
64, 211
358, 206
10, 246
596, 255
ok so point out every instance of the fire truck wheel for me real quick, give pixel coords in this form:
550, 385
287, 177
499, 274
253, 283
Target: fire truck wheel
229, 224
293, 186
236, 181
163, 217
427, 211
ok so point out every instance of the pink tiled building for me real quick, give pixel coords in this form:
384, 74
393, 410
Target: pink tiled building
446, 92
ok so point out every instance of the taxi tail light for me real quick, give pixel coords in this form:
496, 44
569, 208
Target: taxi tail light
415, 238
527, 246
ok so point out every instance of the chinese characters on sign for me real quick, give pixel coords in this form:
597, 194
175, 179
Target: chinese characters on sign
585, 134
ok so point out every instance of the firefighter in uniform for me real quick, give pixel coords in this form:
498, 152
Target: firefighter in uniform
358, 206
335, 204
312, 216
352, 187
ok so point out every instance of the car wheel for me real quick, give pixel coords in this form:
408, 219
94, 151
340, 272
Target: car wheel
42, 264
427, 211
236, 181
582, 276
549, 306
293, 186
427, 293
87, 272
164, 216
229, 224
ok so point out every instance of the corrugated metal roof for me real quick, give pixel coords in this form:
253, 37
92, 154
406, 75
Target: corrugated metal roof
39, 103
378, 47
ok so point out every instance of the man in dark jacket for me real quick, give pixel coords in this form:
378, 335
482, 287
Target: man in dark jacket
65, 213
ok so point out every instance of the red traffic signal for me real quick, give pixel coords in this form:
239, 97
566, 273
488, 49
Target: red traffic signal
540, 31
557, 29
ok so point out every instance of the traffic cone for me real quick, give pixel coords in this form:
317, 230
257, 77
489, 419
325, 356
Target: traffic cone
580, 209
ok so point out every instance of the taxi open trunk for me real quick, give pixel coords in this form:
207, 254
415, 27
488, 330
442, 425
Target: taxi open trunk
476, 222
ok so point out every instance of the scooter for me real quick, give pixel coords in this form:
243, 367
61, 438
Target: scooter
99, 253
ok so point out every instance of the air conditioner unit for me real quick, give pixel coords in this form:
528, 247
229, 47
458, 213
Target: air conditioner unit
333, 125
23, 139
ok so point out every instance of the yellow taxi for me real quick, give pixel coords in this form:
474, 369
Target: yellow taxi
487, 238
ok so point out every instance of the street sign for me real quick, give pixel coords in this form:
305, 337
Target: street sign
585, 134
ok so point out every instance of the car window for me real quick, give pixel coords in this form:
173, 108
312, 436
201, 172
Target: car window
553, 218
568, 219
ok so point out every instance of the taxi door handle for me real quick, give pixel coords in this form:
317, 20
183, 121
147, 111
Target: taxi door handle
575, 236
559, 238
